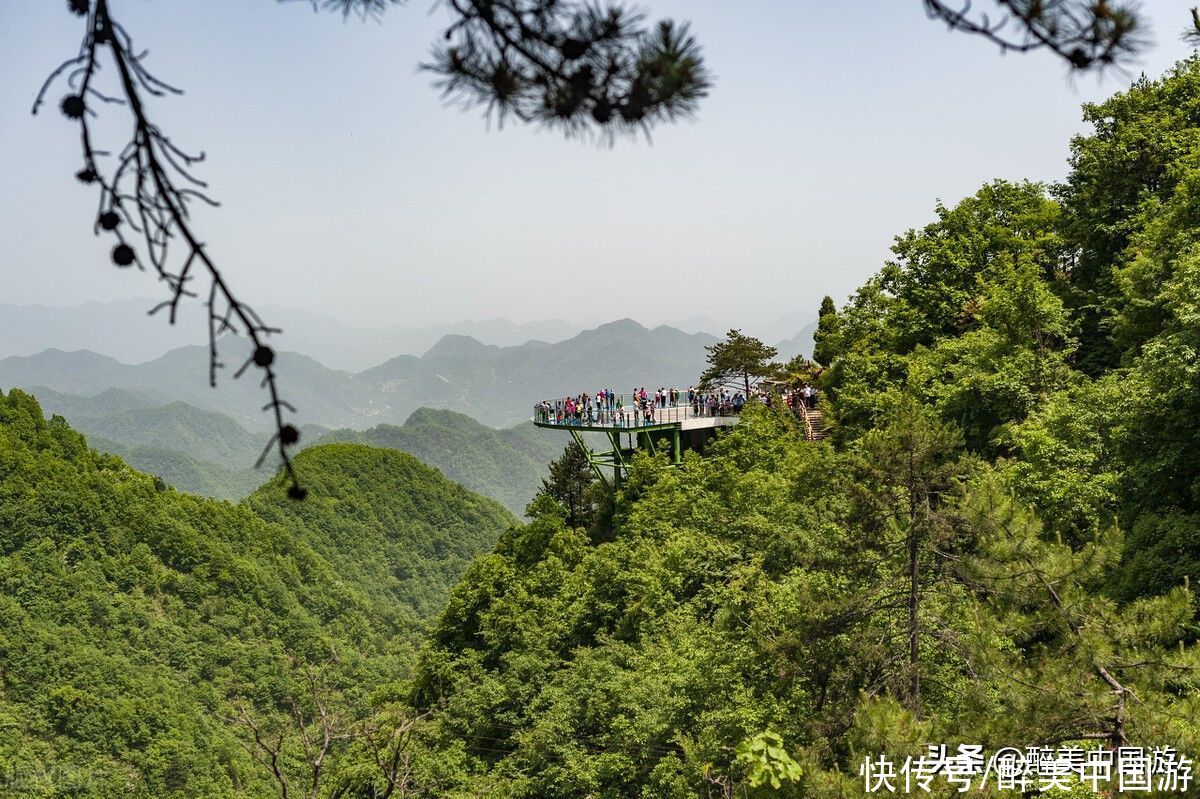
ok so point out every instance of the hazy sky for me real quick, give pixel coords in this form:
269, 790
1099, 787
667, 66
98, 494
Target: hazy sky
349, 188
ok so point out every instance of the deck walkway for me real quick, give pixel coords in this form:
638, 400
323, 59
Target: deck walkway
672, 428
627, 419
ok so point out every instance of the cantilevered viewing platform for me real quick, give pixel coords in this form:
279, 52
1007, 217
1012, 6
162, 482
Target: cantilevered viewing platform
673, 428
629, 418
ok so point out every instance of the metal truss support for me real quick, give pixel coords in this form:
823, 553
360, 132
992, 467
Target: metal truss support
597, 462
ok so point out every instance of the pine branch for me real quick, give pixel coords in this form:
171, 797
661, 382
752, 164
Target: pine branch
569, 65
1085, 33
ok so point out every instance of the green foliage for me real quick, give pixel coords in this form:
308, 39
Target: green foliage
827, 321
738, 358
760, 588
1121, 176
395, 528
1004, 368
1112, 669
766, 761
569, 482
974, 288
142, 630
506, 465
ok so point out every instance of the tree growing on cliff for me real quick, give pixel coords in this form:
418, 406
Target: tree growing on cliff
738, 357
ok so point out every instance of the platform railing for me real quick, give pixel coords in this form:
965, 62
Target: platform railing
623, 412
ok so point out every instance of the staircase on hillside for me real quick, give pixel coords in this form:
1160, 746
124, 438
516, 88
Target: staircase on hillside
814, 423
814, 427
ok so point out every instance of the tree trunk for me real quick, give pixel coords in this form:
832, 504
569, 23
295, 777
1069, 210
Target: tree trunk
914, 602
914, 684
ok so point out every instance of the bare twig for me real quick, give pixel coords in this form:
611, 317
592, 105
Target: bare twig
144, 199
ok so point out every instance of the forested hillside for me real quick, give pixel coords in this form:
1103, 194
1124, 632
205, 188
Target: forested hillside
996, 547
146, 635
208, 453
198, 451
393, 527
506, 465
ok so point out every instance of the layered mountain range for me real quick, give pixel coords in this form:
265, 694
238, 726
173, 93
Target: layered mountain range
495, 385
461, 407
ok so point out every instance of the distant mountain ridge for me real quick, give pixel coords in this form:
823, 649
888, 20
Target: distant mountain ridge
210, 454
800, 344
122, 330
494, 385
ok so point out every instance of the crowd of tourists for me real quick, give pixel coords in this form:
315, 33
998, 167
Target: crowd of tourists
606, 408
803, 396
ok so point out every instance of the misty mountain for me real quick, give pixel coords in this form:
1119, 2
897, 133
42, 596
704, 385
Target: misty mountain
786, 328
353, 348
123, 331
494, 385
699, 323
800, 344
197, 451
210, 454
498, 385
324, 396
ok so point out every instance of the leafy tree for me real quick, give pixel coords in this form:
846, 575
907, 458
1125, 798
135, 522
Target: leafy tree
935, 289
935, 276
826, 325
1067, 459
738, 357
569, 483
1089, 668
1121, 174
1005, 368
907, 469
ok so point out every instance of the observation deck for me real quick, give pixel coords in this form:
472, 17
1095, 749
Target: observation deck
673, 428
628, 418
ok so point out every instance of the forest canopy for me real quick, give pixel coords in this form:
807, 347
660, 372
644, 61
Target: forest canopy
997, 544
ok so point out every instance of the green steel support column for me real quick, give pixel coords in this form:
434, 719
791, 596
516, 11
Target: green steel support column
648, 438
591, 458
618, 458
